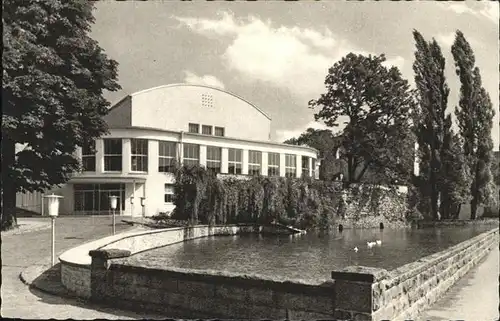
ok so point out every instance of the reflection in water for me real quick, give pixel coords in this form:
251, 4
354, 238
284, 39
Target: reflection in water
311, 256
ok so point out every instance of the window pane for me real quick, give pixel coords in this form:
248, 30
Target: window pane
234, 168
194, 128
139, 146
206, 130
88, 163
167, 149
139, 164
254, 157
253, 169
113, 163
166, 165
192, 151
305, 162
113, 146
235, 155
214, 153
274, 159
219, 131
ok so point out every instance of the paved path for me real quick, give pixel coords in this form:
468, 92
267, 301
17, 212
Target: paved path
474, 297
20, 250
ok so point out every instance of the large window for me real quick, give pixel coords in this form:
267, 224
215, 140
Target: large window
139, 156
88, 156
169, 193
219, 131
191, 154
273, 164
305, 166
194, 128
234, 161
166, 157
206, 130
254, 162
290, 165
113, 154
214, 159
94, 198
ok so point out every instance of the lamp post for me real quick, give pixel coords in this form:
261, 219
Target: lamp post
113, 199
53, 204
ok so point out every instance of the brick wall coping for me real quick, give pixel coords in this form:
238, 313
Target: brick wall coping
79, 256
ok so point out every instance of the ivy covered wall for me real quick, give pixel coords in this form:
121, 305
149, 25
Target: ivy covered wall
202, 198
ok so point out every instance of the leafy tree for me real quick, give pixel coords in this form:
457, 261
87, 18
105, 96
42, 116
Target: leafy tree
377, 102
475, 120
433, 124
327, 144
52, 94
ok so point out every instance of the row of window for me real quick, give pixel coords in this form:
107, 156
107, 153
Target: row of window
206, 129
167, 154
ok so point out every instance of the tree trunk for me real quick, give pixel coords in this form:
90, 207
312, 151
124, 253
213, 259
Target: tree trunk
9, 188
473, 208
474, 200
434, 195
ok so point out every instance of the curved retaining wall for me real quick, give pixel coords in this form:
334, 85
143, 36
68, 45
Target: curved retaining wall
360, 293
76, 262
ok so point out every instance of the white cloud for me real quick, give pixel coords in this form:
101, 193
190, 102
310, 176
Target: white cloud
446, 39
282, 135
480, 9
292, 58
490, 11
208, 80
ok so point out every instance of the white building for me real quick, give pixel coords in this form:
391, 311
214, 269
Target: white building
150, 129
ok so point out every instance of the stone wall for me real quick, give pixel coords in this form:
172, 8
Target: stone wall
184, 293
76, 277
366, 206
75, 263
359, 293
406, 291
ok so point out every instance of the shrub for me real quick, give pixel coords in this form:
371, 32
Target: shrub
203, 198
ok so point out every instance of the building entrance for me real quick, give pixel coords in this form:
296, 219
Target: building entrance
93, 199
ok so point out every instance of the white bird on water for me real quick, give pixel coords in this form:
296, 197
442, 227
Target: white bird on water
371, 244
379, 242
356, 249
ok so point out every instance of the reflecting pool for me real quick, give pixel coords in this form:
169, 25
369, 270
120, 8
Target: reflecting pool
310, 257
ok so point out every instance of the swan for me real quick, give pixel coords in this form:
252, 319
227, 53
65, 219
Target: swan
379, 242
356, 249
370, 244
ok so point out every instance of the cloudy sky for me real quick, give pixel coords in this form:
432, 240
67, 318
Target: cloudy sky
277, 54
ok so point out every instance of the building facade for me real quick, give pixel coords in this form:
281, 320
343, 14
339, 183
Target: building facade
153, 129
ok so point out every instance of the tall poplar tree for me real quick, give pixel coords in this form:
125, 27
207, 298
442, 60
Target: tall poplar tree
54, 76
475, 121
432, 122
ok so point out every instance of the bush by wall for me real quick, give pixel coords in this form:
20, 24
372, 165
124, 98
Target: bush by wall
202, 198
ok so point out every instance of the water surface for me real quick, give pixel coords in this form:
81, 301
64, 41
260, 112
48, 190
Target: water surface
310, 257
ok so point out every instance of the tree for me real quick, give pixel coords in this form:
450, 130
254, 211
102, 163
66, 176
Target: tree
52, 94
327, 144
433, 124
475, 120
455, 179
377, 102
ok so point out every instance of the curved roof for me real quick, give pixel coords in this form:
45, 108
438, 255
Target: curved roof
193, 85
